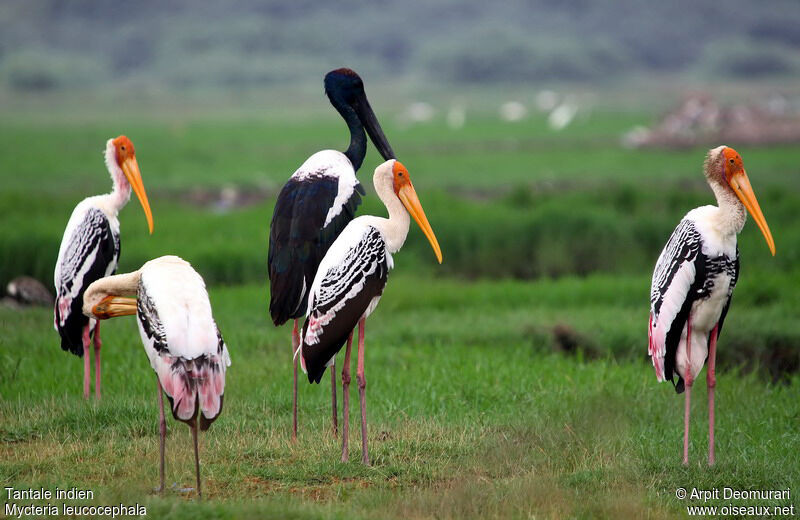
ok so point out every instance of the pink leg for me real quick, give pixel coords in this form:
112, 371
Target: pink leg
689, 379
711, 380
346, 399
333, 401
162, 431
193, 426
97, 345
295, 346
362, 394
86, 362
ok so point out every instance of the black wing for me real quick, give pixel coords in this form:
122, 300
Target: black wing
151, 323
678, 281
91, 254
342, 299
734, 272
298, 241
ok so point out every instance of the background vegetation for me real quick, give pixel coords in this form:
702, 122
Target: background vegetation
53, 44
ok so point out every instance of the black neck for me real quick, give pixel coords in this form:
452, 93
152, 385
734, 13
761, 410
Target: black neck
358, 139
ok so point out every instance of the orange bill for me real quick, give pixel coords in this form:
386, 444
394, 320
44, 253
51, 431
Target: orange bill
741, 186
131, 170
113, 306
408, 196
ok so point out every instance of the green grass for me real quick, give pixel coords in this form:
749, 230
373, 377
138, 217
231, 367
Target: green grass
470, 413
512, 381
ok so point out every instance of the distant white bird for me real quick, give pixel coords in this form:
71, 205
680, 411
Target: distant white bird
90, 250
456, 116
513, 111
547, 100
562, 115
694, 279
179, 335
350, 281
418, 112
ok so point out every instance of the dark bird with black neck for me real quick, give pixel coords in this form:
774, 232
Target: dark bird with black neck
313, 208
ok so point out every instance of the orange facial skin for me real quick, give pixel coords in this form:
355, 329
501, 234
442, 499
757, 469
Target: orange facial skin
736, 177
408, 196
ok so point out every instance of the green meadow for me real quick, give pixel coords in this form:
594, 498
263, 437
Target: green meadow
512, 381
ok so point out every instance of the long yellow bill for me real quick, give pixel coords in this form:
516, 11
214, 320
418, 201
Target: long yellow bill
131, 170
741, 186
113, 306
408, 196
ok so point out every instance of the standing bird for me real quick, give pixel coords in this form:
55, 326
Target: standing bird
314, 206
694, 279
179, 335
90, 250
350, 281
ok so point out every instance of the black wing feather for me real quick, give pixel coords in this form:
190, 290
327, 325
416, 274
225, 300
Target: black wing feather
706, 271
93, 234
151, 323
674, 334
734, 279
684, 245
298, 241
365, 266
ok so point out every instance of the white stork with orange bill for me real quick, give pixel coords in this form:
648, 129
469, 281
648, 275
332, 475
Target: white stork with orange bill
90, 250
350, 281
694, 279
180, 337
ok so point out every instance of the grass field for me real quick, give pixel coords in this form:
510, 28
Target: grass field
511, 382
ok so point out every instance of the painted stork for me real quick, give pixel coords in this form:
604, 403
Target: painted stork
90, 250
179, 335
694, 279
350, 281
314, 206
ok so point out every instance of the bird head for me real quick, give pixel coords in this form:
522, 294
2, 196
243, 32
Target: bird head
724, 167
404, 189
124, 155
345, 90
103, 299
344, 84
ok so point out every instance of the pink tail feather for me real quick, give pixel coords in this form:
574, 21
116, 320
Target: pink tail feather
193, 383
211, 387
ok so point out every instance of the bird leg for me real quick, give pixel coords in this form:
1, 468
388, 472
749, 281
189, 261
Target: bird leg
162, 433
346, 399
689, 380
97, 345
295, 346
362, 394
333, 401
711, 380
86, 362
193, 426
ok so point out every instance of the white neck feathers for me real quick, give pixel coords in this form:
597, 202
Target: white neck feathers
121, 193
395, 228
732, 213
